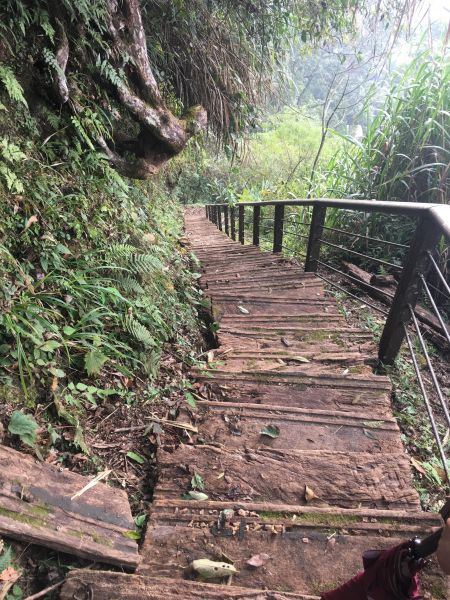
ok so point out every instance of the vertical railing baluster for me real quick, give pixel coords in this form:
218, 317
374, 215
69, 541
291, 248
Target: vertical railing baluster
256, 222
214, 215
409, 287
207, 211
241, 224
219, 216
315, 234
233, 222
227, 225
278, 228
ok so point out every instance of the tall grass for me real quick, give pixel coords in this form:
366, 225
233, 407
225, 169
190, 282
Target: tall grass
405, 154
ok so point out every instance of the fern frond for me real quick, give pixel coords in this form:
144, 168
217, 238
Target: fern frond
13, 87
139, 332
130, 285
136, 262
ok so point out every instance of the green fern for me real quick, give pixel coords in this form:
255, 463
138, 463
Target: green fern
5, 559
13, 87
139, 332
136, 262
130, 285
13, 183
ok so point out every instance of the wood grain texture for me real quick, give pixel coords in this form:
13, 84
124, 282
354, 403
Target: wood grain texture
106, 586
36, 506
339, 479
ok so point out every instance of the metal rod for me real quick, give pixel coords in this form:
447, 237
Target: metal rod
241, 224
256, 219
350, 294
278, 229
225, 214
439, 291
427, 402
296, 253
315, 233
366, 237
408, 290
430, 366
348, 276
435, 308
233, 222
377, 260
438, 271
297, 234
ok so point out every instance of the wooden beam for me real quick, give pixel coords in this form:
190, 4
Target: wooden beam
36, 506
104, 585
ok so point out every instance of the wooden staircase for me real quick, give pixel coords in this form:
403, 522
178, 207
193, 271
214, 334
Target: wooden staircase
329, 481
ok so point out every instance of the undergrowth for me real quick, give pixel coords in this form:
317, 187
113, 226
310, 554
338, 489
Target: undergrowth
93, 281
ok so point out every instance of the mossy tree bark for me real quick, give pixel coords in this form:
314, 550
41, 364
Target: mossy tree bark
161, 134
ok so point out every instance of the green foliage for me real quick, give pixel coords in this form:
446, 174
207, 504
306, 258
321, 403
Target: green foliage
6, 557
24, 426
13, 87
276, 164
92, 281
405, 152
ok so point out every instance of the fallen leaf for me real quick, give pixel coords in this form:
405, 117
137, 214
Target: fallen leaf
194, 495
31, 220
54, 385
209, 569
258, 560
300, 359
9, 574
243, 310
286, 342
309, 494
272, 431
446, 437
136, 457
210, 356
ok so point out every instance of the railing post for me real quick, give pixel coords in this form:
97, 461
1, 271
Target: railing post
207, 211
315, 233
417, 263
256, 221
233, 222
241, 224
278, 228
214, 215
225, 214
219, 216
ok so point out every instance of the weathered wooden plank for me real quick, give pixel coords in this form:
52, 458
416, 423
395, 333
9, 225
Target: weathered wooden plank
102, 585
36, 506
240, 425
348, 480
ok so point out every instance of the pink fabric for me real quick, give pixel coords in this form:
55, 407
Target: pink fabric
382, 578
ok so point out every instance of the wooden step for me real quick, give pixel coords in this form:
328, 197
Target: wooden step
239, 425
37, 506
104, 585
344, 393
261, 360
228, 305
348, 480
309, 554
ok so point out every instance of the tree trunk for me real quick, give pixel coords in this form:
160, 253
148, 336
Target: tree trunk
161, 135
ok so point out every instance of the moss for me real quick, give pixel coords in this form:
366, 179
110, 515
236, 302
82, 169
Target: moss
357, 369
41, 510
101, 540
22, 518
